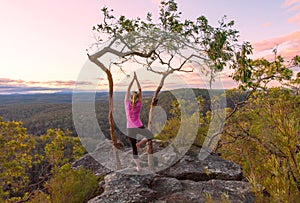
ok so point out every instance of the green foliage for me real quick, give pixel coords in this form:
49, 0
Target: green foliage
27, 161
259, 73
39, 196
263, 137
15, 158
62, 149
69, 185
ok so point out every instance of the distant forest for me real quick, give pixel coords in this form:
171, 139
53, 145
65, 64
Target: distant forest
39, 112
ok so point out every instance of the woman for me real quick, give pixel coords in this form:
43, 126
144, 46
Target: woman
133, 106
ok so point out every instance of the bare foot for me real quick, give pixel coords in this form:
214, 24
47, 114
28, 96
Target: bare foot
138, 166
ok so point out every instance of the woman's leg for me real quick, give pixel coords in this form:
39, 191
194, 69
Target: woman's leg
134, 148
131, 137
145, 132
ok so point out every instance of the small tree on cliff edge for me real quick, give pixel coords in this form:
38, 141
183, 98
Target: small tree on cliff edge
147, 43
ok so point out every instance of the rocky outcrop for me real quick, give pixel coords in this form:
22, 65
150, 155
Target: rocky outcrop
188, 180
213, 167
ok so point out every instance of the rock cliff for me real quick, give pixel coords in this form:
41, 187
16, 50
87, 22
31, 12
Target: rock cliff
188, 180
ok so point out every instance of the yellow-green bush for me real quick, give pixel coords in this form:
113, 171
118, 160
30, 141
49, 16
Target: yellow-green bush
69, 185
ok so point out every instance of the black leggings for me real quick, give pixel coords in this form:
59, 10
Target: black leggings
132, 133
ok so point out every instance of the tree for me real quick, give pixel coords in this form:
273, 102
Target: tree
171, 43
264, 120
254, 75
264, 139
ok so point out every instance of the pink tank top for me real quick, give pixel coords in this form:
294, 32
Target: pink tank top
133, 115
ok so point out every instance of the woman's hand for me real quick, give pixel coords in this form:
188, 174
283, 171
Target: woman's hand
139, 86
127, 95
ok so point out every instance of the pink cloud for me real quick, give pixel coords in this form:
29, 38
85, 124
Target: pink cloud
8, 81
32, 83
266, 25
62, 83
197, 80
56, 83
150, 86
12, 86
288, 45
292, 5
295, 19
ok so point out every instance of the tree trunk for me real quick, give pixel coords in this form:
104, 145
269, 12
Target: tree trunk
94, 59
111, 120
152, 105
149, 144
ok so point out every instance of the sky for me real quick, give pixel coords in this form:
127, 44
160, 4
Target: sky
44, 42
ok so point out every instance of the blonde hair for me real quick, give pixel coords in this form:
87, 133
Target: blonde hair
134, 99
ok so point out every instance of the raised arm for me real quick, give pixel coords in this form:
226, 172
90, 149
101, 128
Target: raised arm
139, 87
127, 95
